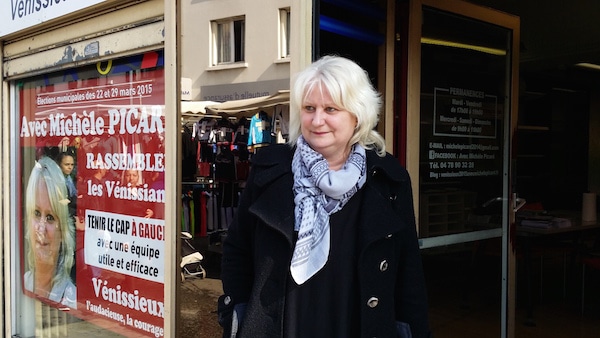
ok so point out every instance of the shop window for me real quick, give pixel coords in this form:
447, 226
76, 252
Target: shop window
87, 245
228, 43
284, 33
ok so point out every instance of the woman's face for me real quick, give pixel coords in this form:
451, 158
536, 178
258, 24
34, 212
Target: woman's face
45, 232
66, 164
326, 127
132, 177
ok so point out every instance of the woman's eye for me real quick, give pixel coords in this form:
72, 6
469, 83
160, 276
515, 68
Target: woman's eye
309, 108
37, 214
330, 109
50, 219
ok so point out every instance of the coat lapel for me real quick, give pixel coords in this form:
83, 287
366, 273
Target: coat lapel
378, 219
275, 205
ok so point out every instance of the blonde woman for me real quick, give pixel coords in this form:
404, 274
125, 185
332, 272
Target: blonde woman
49, 234
324, 241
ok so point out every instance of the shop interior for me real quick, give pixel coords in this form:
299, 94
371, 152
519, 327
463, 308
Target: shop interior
555, 161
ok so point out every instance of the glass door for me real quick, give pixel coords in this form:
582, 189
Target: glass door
465, 104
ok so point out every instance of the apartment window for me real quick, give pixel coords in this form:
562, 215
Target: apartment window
284, 33
228, 37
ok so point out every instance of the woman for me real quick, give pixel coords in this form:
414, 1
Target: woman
132, 179
50, 235
324, 241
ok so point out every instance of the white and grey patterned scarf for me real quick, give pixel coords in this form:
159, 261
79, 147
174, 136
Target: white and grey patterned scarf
319, 192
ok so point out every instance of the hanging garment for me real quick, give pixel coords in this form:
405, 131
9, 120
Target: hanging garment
260, 129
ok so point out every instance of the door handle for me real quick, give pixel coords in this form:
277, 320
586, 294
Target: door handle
519, 203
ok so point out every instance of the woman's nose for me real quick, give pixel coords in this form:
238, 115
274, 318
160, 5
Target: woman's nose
318, 117
40, 225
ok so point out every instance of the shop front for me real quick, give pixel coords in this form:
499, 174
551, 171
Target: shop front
90, 92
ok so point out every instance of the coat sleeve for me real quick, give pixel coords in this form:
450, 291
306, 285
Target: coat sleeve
243, 264
237, 269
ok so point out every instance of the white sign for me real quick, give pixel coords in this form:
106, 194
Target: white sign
186, 89
129, 245
16, 15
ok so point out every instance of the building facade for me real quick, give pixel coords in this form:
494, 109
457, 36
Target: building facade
234, 50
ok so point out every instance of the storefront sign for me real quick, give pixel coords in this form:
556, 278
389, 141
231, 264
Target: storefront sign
461, 112
242, 91
108, 122
464, 138
16, 15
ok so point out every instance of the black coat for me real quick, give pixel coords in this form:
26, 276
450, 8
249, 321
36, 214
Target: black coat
260, 242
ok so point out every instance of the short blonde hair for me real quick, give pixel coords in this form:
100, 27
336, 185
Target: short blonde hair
350, 88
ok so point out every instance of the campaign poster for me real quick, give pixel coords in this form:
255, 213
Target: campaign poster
92, 192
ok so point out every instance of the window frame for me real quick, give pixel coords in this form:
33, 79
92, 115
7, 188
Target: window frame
284, 33
236, 41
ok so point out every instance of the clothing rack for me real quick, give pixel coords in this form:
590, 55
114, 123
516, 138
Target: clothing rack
215, 165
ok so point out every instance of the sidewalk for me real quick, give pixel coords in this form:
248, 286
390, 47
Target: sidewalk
199, 308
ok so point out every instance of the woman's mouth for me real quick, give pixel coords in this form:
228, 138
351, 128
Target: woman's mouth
40, 240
